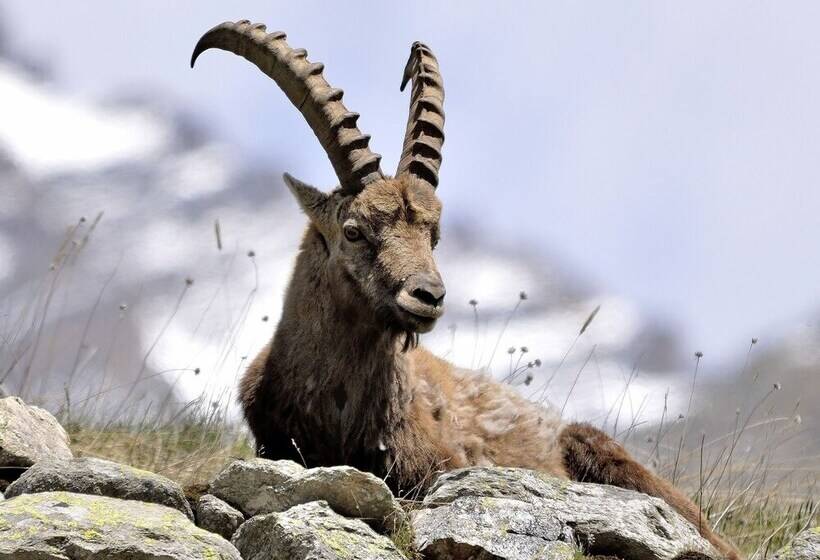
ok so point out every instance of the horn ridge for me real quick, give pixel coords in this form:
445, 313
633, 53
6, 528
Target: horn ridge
424, 136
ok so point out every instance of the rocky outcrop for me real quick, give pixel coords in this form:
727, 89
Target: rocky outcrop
805, 546
517, 514
82, 509
261, 486
214, 515
311, 531
101, 478
62, 525
29, 434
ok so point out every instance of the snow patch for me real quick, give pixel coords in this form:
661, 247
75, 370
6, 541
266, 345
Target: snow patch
48, 132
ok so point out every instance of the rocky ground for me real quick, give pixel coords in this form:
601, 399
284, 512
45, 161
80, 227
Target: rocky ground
61, 507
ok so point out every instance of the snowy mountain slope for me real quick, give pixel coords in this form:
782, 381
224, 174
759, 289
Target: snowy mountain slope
144, 302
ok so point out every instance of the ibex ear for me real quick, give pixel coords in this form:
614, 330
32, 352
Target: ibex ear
311, 199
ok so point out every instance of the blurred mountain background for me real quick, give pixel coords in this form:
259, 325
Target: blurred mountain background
146, 236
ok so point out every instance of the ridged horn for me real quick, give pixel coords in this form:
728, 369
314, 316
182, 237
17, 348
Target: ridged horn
421, 154
305, 86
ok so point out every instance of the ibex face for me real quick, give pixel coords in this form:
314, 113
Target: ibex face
379, 231
382, 240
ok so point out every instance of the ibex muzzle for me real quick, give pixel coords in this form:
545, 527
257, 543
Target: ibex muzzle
422, 296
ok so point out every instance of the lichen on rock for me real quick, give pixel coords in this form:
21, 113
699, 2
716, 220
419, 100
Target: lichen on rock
311, 531
515, 513
804, 546
63, 525
100, 477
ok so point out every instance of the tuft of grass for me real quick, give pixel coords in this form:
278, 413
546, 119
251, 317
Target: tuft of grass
189, 453
402, 537
761, 531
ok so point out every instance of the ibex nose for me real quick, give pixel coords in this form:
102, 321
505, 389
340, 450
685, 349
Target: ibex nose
427, 287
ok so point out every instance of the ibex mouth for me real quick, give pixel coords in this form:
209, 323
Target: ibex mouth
420, 315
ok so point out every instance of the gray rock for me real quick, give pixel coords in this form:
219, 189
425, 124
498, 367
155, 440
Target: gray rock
63, 526
805, 546
261, 486
482, 527
214, 515
100, 478
311, 531
29, 434
515, 514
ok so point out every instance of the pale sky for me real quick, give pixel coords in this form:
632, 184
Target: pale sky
666, 151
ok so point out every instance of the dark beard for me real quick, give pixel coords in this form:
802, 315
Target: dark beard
411, 340
397, 327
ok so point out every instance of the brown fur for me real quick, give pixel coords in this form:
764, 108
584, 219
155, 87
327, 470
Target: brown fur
338, 384
590, 455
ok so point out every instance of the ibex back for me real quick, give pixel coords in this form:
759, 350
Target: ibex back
343, 380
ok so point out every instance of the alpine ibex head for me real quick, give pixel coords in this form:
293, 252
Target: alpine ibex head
377, 232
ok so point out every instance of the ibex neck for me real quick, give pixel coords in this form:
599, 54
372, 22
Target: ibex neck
343, 372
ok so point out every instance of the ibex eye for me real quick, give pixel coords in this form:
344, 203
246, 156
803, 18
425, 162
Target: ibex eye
352, 233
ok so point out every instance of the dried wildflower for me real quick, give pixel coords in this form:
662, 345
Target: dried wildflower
123, 306
473, 302
251, 253
264, 318
528, 379
798, 419
189, 281
82, 219
524, 349
589, 320
537, 362
218, 234
196, 371
522, 295
754, 340
777, 386
680, 416
698, 354
511, 350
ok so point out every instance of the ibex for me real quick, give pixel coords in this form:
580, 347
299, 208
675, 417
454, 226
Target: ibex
343, 380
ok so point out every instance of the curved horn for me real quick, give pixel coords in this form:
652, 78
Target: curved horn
421, 155
303, 83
